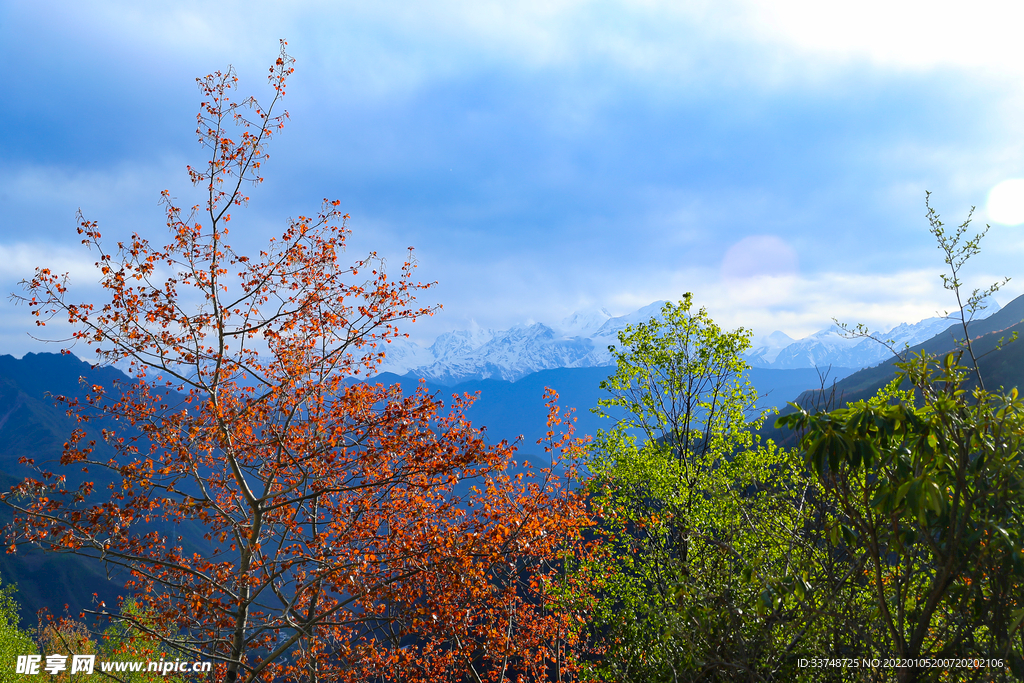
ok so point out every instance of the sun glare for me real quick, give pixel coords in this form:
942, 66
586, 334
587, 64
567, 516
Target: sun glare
1006, 202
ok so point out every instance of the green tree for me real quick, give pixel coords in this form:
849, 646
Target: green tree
930, 497
700, 565
139, 640
14, 641
925, 484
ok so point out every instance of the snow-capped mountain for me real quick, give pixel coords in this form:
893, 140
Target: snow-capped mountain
582, 340
765, 349
579, 341
829, 346
510, 355
451, 346
584, 323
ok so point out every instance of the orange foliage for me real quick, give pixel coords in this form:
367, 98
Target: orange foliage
354, 533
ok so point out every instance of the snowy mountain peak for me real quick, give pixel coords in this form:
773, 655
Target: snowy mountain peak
831, 346
778, 338
584, 323
765, 349
612, 326
582, 339
451, 345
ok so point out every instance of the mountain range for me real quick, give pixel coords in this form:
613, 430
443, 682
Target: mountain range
579, 341
32, 426
582, 340
1000, 363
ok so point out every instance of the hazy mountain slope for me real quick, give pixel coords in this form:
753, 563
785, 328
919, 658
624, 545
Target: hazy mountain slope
764, 350
32, 426
509, 409
999, 368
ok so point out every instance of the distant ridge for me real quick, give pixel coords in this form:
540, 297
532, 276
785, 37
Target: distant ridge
829, 347
33, 426
582, 340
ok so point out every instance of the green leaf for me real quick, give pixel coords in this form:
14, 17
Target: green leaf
901, 493
934, 497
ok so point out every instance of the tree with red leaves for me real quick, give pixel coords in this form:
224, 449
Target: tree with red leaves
352, 533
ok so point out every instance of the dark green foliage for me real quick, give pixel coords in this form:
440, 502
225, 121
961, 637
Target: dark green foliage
929, 497
922, 485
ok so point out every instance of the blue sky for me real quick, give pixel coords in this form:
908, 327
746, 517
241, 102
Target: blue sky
544, 157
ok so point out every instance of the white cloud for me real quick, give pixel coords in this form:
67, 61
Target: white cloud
916, 34
353, 51
114, 189
802, 305
19, 261
507, 293
396, 44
